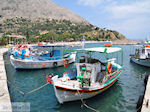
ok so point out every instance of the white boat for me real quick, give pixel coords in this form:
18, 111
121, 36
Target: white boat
90, 78
48, 60
142, 56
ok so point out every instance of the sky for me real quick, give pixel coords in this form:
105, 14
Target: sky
129, 17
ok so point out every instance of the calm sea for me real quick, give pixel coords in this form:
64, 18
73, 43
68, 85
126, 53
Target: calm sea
121, 97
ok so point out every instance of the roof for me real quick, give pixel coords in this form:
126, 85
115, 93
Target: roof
16, 36
102, 49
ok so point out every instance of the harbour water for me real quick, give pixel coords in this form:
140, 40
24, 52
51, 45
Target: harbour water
121, 97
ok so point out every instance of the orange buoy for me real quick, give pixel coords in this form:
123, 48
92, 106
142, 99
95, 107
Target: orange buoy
109, 68
147, 46
66, 62
108, 44
43, 65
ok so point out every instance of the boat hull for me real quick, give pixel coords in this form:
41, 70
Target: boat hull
35, 64
66, 95
143, 62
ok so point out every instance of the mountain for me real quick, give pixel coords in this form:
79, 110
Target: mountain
37, 9
31, 17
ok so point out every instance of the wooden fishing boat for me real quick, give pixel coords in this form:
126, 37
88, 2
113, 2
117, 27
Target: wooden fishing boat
54, 58
90, 78
142, 56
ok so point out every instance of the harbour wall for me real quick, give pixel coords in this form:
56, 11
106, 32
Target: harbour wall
146, 100
5, 103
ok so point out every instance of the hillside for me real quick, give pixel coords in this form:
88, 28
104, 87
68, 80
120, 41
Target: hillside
35, 9
43, 20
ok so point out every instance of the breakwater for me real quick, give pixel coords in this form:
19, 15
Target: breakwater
5, 103
146, 100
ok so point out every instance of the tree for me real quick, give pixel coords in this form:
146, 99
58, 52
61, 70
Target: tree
66, 36
52, 35
27, 35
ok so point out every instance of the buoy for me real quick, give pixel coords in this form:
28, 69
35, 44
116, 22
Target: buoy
43, 65
108, 44
66, 62
147, 46
109, 68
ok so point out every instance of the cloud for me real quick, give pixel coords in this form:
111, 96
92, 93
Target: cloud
130, 17
135, 28
91, 3
138, 8
133, 20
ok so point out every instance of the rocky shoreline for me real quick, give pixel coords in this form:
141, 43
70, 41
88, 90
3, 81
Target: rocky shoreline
126, 42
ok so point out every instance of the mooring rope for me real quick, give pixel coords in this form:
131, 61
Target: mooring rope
37, 89
15, 87
2, 94
25, 93
83, 102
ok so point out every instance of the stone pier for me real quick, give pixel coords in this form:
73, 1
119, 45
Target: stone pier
5, 103
146, 100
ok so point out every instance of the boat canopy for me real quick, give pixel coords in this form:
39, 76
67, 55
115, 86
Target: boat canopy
102, 49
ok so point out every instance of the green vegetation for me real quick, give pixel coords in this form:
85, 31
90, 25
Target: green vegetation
54, 30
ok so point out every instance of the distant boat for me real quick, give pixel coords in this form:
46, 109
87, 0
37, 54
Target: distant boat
42, 59
142, 56
90, 78
108, 44
145, 42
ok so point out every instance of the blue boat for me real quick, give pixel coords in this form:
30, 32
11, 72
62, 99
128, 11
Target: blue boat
43, 59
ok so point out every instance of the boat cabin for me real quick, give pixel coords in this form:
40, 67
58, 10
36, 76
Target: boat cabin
91, 71
146, 51
143, 53
53, 55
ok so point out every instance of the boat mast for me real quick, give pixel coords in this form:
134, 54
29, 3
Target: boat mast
83, 42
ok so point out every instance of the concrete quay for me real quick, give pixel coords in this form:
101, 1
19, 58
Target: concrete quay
146, 100
5, 103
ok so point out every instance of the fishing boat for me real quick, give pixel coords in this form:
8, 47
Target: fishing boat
142, 56
108, 44
33, 59
90, 77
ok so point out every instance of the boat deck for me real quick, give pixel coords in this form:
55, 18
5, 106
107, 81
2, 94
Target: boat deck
77, 84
